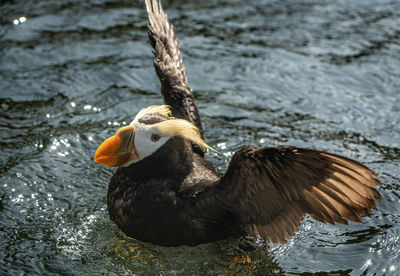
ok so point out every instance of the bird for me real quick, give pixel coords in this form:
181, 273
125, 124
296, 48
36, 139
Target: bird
164, 191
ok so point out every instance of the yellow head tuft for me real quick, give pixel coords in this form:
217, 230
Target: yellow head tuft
182, 128
173, 126
164, 110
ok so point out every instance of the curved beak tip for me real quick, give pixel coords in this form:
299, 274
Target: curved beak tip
107, 152
115, 151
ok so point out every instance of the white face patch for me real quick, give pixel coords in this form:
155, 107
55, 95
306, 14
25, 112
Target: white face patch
147, 141
163, 130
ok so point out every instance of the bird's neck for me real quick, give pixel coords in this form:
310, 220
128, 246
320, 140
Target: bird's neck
172, 161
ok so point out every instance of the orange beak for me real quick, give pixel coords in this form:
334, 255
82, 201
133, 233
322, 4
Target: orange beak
118, 149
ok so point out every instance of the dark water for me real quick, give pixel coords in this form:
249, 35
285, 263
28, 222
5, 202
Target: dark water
321, 74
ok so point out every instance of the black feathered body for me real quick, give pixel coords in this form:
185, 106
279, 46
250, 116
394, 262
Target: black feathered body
154, 200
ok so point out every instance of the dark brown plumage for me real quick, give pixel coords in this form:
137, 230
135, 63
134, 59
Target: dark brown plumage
174, 196
271, 189
169, 67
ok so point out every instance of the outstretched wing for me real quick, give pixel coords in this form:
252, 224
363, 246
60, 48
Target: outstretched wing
169, 66
271, 189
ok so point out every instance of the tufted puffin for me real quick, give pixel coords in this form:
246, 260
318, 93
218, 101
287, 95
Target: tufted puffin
165, 192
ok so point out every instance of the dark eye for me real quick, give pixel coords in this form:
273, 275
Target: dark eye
155, 138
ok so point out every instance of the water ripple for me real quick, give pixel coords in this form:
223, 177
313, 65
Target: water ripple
307, 73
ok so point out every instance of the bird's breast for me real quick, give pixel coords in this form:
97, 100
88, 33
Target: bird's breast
149, 210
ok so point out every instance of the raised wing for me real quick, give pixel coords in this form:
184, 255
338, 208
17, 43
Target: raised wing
169, 66
271, 189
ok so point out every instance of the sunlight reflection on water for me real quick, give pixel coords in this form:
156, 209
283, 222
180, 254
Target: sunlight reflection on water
265, 73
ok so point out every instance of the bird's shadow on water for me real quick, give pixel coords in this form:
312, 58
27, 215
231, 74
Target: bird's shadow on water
226, 257
96, 242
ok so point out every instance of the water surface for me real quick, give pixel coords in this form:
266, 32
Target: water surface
319, 74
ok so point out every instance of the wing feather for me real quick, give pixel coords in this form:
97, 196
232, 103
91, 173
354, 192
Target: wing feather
271, 189
283, 226
169, 65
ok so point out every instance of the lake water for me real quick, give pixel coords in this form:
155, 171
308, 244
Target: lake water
319, 74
